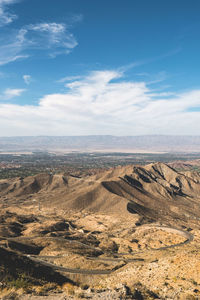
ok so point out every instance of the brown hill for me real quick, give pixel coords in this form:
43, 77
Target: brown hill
185, 165
155, 191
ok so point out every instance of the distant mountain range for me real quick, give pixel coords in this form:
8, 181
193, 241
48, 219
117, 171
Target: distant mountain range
166, 143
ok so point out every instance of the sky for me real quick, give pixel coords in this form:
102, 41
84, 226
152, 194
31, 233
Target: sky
89, 67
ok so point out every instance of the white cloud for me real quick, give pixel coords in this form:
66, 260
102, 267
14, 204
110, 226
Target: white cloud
48, 35
11, 93
27, 79
103, 103
54, 38
69, 78
12, 50
5, 16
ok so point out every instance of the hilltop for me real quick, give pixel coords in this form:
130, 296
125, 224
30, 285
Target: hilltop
155, 191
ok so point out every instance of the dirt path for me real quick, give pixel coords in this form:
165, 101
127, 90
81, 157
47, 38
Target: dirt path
188, 236
41, 259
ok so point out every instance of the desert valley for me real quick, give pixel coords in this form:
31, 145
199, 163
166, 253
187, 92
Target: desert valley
124, 232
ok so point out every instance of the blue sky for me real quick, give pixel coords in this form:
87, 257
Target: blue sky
117, 67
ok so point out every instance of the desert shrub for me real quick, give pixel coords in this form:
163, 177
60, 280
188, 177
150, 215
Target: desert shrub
20, 282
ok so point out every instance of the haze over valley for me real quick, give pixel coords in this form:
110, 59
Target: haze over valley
145, 143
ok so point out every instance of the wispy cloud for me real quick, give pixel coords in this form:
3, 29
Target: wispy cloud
49, 36
11, 93
12, 50
138, 63
27, 79
75, 18
98, 104
69, 78
157, 78
5, 16
53, 38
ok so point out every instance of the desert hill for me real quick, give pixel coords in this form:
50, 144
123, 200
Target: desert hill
126, 233
155, 191
185, 165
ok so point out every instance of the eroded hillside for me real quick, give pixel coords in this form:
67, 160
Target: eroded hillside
128, 233
155, 191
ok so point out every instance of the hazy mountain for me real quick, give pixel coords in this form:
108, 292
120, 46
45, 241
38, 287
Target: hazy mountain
101, 142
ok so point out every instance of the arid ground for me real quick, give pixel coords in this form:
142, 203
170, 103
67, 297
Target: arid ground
130, 232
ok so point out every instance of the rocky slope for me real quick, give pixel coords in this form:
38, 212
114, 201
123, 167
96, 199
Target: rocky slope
112, 234
155, 191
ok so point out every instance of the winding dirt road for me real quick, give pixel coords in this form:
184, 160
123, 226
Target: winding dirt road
41, 259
